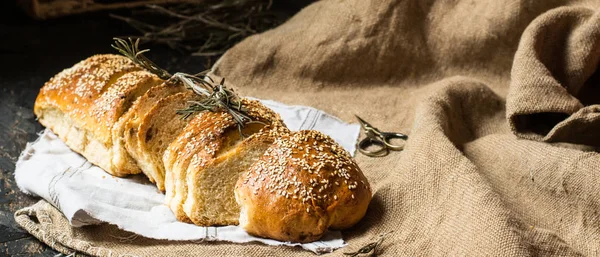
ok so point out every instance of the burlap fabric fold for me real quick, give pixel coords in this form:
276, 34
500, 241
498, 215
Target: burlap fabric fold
501, 102
555, 88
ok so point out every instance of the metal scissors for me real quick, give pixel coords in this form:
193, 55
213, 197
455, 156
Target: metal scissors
379, 140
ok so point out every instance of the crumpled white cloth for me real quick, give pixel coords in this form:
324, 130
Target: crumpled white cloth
87, 195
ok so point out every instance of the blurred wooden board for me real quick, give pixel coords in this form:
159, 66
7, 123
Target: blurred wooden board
46, 9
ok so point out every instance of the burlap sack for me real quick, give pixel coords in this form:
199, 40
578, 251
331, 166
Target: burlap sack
492, 93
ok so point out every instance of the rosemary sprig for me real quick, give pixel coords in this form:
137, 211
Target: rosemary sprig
216, 97
131, 51
371, 247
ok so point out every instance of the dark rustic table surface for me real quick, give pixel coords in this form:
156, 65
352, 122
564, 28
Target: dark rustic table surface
31, 52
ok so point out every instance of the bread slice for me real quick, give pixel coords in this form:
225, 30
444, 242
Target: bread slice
206, 136
116, 101
124, 133
210, 200
178, 155
81, 105
204, 178
157, 130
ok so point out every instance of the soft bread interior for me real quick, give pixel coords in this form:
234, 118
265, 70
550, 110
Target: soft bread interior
129, 99
78, 139
209, 196
157, 130
176, 160
230, 139
125, 145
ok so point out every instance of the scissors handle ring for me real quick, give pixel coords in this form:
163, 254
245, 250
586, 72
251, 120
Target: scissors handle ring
381, 147
387, 136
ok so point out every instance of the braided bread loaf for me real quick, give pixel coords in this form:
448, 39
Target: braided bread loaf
275, 183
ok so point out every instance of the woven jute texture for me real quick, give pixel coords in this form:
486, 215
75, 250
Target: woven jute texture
501, 100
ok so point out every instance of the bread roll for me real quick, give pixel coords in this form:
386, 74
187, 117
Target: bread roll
81, 104
303, 184
204, 162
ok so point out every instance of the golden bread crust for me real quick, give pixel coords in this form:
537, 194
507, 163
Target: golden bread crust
79, 92
82, 104
302, 185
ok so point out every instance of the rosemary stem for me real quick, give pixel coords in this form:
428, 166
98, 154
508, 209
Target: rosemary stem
215, 96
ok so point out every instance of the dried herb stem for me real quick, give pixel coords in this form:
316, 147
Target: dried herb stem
215, 96
131, 51
206, 28
200, 17
370, 248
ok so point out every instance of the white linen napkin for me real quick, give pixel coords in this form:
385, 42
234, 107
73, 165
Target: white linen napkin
86, 194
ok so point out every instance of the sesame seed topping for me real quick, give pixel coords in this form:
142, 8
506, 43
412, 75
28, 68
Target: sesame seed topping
307, 167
